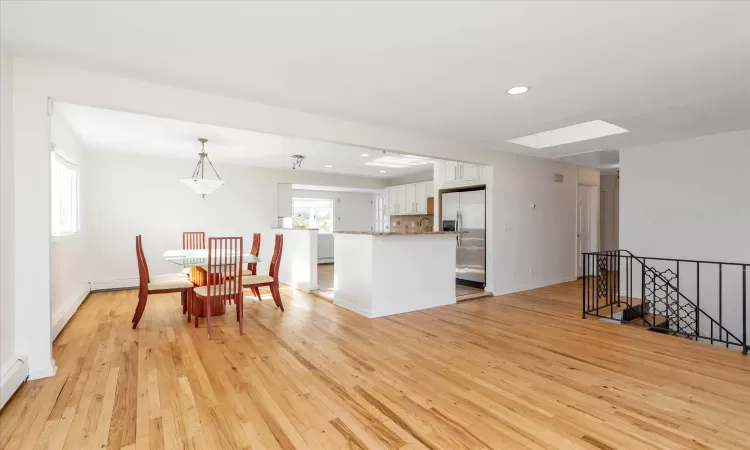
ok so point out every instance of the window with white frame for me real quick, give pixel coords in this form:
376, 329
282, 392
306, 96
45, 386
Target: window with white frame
379, 213
313, 213
64, 184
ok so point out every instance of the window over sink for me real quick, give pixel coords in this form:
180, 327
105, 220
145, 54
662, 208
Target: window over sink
313, 213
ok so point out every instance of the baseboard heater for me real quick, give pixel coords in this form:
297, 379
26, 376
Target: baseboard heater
12, 378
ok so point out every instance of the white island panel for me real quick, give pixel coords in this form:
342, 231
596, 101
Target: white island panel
381, 275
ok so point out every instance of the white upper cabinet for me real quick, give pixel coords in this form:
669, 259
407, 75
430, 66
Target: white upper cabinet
468, 171
420, 200
397, 200
451, 171
409, 198
460, 173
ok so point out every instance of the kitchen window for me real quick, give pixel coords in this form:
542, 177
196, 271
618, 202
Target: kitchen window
313, 213
64, 185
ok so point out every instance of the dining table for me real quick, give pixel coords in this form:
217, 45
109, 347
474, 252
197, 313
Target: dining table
196, 260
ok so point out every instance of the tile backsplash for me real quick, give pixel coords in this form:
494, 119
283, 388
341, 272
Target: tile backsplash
405, 224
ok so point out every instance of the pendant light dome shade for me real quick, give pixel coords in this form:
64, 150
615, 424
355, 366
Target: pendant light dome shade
197, 183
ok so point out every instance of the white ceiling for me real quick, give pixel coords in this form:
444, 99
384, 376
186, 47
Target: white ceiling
663, 70
107, 130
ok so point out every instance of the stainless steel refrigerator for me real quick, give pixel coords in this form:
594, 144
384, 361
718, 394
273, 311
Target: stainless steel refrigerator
464, 211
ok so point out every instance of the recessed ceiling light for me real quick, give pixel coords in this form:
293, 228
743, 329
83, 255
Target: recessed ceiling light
329, 166
566, 135
516, 90
382, 171
364, 154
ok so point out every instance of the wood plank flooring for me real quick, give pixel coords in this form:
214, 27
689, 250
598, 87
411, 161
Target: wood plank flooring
517, 371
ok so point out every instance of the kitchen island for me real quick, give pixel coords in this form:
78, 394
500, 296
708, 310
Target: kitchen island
381, 274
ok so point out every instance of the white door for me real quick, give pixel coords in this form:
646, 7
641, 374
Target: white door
584, 224
468, 171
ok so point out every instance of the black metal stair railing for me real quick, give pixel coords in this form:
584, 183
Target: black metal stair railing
620, 286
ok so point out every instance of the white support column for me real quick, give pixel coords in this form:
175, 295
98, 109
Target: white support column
32, 220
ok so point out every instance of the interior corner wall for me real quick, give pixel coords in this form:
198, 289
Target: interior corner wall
687, 199
32, 224
69, 259
8, 352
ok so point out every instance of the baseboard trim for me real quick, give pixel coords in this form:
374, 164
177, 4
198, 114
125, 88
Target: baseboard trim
61, 317
327, 260
114, 285
46, 370
12, 376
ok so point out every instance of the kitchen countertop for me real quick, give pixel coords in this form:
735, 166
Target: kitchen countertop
377, 233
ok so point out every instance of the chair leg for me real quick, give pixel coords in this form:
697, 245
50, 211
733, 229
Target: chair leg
256, 292
241, 312
137, 306
143, 298
277, 296
183, 297
208, 316
189, 302
195, 315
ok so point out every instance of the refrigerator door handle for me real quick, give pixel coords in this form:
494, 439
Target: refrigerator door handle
458, 226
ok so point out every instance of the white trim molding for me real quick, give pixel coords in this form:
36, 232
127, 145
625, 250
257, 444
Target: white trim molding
61, 317
125, 283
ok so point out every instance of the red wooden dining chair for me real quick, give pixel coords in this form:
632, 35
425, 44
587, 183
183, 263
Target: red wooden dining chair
252, 268
193, 240
224, 259
163, 284
272, 279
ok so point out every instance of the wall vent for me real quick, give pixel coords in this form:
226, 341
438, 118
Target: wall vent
559, 178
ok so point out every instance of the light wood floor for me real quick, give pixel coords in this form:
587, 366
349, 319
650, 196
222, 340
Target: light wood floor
521, 370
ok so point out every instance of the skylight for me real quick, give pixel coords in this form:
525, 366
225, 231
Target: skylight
566, 135
399, 161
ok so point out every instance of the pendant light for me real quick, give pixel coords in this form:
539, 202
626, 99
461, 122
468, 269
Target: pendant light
199, 184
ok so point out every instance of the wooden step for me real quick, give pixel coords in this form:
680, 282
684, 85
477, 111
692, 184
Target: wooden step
650, 321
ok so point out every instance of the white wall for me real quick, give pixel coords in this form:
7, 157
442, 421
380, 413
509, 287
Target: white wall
609, 220
131, 194
353, 210
8, 351
690, 199
69, 263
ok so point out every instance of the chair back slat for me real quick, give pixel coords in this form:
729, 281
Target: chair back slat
276, 258
143, 276
193, 240
224, 267
255, 251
